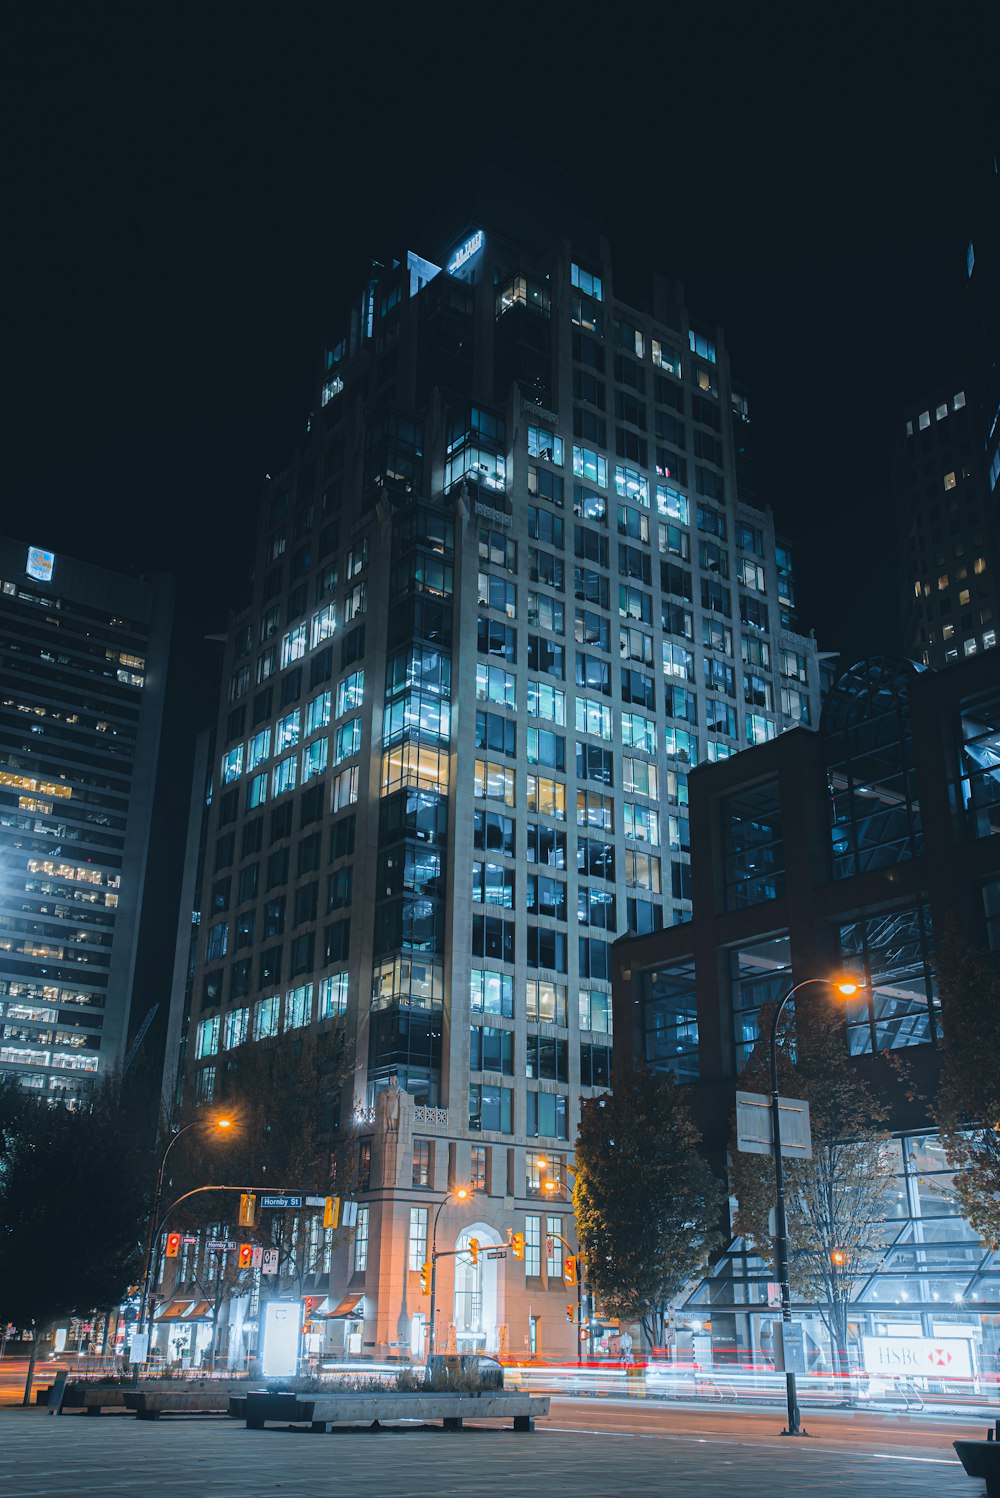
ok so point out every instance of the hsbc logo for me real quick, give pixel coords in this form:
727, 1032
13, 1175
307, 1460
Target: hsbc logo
919, 1357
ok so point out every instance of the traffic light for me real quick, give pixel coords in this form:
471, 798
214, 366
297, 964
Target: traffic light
571, 1313
173, 1245
838, 1258
425, 1278
474, 1249
569, 1269
517, 1245
331, 1212
245, 1256
248, 1208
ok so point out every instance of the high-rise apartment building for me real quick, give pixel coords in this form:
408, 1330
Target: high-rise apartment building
510, 591
947, 574
83, 655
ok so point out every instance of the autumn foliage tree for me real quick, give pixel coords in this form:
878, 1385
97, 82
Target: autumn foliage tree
647, 1204
837, 1201
968, 1101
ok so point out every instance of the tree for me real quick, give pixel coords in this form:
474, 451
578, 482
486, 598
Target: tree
968, 1101
73, 1204
836, 1203
647, 1204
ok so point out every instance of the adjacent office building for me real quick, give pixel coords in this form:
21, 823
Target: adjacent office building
83, 655
843, 850
511, 590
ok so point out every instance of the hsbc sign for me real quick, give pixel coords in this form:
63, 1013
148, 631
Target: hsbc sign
918, 1357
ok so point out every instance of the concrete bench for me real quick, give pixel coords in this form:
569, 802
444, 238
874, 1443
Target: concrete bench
150, 1404
321, 1411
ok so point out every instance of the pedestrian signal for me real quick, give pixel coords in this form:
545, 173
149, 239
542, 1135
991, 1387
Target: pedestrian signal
173, 1245
331, 1212
248, 1208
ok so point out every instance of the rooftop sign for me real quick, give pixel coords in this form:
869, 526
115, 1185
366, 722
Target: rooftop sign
39, 564
465, 252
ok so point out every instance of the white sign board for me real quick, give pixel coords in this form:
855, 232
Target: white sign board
282, 1326
918, 1357
753, 1126
269, 1261
138, 1351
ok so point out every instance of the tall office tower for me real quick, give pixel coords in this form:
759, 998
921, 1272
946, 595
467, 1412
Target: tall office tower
506, 596
83, 656
947, 565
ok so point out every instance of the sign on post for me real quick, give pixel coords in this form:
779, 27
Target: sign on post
753, 1126
269, 1261
790, 1347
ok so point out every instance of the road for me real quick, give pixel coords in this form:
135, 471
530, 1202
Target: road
584, 1449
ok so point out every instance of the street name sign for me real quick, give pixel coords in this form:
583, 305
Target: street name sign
753, 1126
495, 1253
281, 1201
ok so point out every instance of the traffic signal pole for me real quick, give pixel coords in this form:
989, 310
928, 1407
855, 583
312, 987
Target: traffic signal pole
145, 1322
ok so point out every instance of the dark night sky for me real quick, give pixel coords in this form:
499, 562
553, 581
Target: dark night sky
191, 192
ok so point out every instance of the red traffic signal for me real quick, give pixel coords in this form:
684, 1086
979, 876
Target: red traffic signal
173, 1245
245, 1256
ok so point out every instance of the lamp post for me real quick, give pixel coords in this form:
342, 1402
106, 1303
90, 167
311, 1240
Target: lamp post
847, 987
551, 1187
460, 1194
144, 1307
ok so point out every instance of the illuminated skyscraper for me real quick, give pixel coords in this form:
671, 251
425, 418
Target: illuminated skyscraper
82, 665
510, 590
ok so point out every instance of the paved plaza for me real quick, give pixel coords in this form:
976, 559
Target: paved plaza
583, 1452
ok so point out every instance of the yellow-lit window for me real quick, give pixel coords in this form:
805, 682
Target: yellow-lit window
979, 566
547, 797
413, 764
950, 480
963, 598
942, 582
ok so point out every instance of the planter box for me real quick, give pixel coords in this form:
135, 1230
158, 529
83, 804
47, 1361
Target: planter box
321, 1411
981, 1459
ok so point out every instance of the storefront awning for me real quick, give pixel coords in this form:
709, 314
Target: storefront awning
185, 1310
173, 1310
348, 1307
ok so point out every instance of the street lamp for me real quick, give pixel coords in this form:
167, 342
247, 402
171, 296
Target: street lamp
847, 987
218, 1123
550, 1187
460, 1194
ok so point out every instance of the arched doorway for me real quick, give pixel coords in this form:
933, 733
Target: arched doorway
478, 1294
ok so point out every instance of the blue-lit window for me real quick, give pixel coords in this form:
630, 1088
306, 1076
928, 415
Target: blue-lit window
232, 765
980, 764
753, 846
587, 282
546, 445
898, 1004
670, 1020
702, 345
760, 973
317, 713
591, 466
314, 759
259, 749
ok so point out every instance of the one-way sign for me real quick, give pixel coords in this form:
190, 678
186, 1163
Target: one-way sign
281, 1201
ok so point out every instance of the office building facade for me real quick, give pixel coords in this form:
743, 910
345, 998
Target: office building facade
842, 851
512, 588
83, 658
